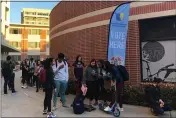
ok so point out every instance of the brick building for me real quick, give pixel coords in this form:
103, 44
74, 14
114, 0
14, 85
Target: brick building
31, 40
82, 28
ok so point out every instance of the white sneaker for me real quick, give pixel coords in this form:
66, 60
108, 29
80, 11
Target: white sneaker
121, 109
22, 86
51, 115
107, 109
25, 87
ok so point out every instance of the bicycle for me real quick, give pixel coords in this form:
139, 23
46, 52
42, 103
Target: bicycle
150, 77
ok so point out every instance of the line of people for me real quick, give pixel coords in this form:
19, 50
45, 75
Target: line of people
57, 77
52, 75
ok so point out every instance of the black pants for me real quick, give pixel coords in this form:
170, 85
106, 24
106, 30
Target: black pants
48, 98
158, 110
92, 90
101, 92
24, 78
38, 83
118, 92
30, 78
9, 80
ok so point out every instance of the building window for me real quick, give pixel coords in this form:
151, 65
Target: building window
33, 44
14, 44
47, 32
15, 31
38, 44
34, 31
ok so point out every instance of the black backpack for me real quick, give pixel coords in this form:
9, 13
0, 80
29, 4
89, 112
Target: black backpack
124, 72
6, 69
78, 105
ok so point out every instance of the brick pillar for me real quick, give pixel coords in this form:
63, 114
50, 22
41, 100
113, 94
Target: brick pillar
43, 44
24, 43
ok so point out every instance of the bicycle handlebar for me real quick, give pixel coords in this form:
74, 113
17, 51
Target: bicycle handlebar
169, 65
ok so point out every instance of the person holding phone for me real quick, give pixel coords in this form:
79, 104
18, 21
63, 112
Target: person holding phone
60, 68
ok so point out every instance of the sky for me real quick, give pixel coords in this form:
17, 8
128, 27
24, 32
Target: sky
16, 7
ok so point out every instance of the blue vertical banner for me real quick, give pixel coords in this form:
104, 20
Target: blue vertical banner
118, 34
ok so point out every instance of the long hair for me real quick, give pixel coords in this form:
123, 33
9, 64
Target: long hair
108, 66
76, 61
93, 60
47, 63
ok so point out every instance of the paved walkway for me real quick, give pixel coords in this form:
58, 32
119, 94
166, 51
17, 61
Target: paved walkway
28, 103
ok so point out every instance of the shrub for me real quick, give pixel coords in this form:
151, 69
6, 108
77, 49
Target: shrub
135, 95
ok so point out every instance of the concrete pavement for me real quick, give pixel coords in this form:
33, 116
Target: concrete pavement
28, 103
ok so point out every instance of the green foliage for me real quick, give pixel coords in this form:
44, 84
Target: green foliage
135, 95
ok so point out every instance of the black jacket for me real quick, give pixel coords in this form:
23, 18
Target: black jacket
154, 95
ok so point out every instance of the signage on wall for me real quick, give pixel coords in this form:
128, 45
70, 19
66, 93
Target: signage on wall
118, 29
159, 53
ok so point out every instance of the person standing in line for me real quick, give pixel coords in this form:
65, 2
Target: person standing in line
78, 68
49, 86
7, 73
24, 74
31, 71
61, 80
90, 80
100, 81
36, 74
117, 79
12, 80
28, 71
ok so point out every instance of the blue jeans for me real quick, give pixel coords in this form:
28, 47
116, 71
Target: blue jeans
61, 87
159, 110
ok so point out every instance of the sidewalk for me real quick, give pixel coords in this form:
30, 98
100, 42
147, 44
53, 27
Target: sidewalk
28, 103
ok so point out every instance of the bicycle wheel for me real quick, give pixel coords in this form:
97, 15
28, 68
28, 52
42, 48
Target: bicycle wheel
116, 112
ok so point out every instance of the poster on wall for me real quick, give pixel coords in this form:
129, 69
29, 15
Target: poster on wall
118, 34
159, 60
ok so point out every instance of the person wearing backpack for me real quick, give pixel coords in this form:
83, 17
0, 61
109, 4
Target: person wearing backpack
7, 73
117, 78
61, 80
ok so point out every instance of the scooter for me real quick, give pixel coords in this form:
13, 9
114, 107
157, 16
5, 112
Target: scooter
114, 109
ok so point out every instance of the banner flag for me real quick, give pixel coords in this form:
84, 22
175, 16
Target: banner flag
118, 29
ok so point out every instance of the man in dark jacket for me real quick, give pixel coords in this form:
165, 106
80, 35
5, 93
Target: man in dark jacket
7, 72
155, 100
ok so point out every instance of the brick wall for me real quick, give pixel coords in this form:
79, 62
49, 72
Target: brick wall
92, 42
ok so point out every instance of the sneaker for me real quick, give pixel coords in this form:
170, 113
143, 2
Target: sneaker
22, 86
54, 108
51, 115
44, 111
121, 109
25, 87
107, 108
64, 105
14, 92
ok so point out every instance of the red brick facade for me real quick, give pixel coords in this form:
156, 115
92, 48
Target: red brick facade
92, 42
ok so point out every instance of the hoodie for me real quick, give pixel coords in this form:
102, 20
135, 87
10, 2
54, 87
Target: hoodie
90, 74
61, 74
